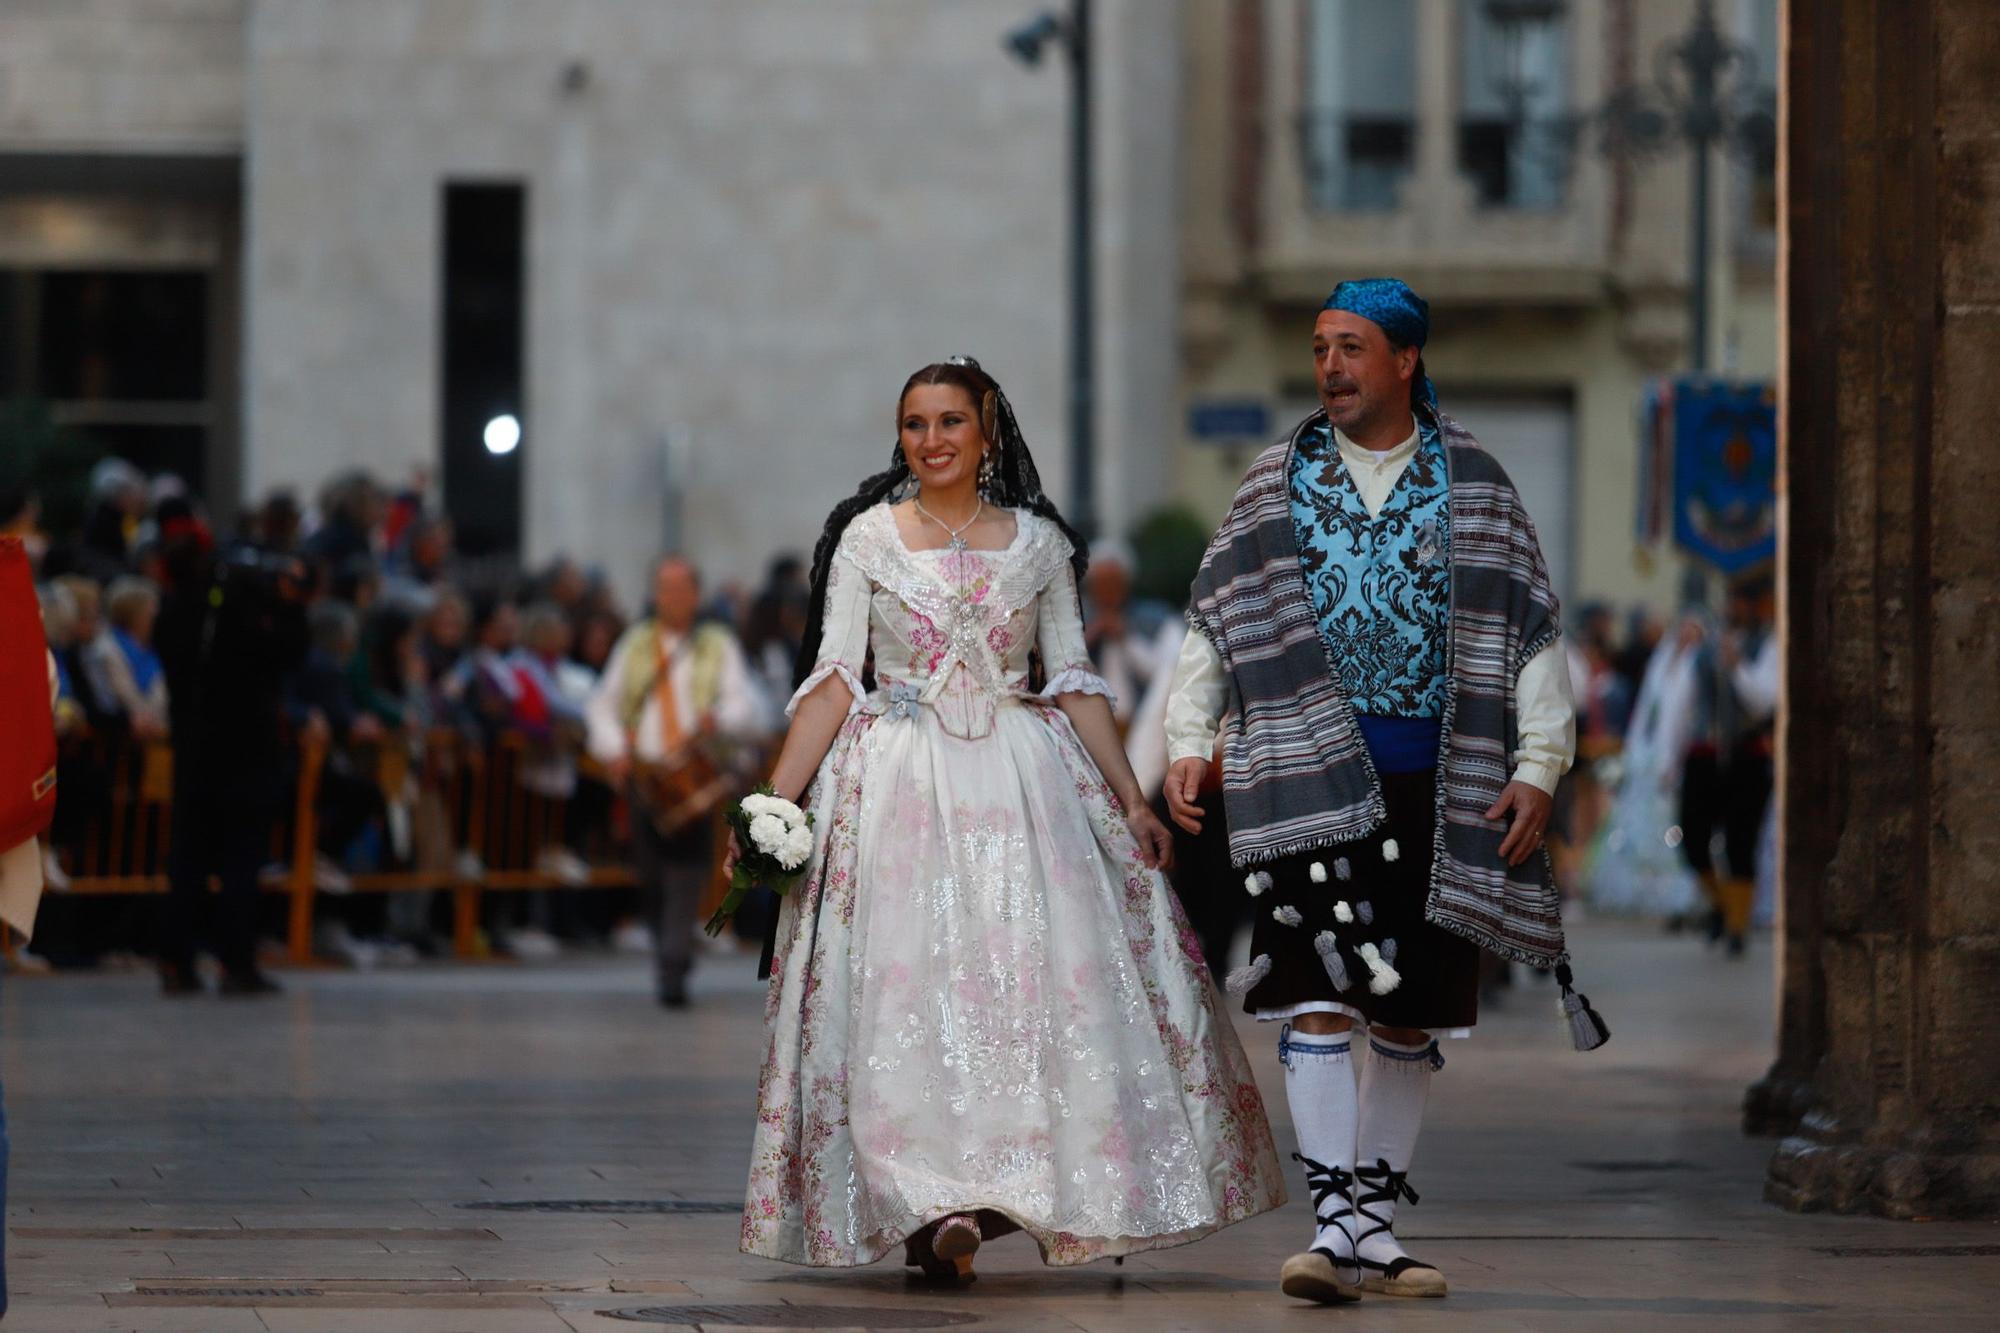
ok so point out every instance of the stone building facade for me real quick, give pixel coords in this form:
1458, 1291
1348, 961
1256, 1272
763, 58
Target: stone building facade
746, 221
1329, 139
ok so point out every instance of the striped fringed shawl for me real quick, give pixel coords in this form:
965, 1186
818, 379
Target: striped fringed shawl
1296, 775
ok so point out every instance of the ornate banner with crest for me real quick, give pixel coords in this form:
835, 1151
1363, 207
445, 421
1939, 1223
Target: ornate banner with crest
1710, 449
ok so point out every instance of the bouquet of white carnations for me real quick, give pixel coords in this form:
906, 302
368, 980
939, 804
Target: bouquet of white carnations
774, 839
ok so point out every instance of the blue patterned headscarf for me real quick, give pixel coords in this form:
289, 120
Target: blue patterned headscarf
1391, 306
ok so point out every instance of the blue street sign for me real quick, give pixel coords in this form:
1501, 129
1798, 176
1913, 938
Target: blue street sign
1229, 419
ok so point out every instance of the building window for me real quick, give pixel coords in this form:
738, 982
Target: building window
1512, 139
1358, 132
120, 357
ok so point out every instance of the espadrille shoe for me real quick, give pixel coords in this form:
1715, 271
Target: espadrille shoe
1313, 1276
1376, 1191
1320, 1274
1402, 1277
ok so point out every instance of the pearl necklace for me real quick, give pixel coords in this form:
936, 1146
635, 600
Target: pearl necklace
957, 541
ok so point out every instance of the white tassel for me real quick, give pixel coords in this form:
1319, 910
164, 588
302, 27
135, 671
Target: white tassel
1382, 977
1318, 872
1329, 955
1257, 882
1388, 951
1287, 915
1390, 851
1366, 911
1343, 913
1343, 869
1247, 976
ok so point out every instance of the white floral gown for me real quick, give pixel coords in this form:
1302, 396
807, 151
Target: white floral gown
982, 998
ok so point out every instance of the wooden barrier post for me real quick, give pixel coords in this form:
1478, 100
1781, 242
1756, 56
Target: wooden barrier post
305, 850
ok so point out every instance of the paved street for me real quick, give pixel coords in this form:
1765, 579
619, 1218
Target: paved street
333, 1160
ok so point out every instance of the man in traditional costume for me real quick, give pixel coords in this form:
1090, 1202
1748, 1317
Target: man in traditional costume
676, 698
1375, 618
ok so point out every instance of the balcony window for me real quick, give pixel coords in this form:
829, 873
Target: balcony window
1512, 121
1358, 129
1762, 17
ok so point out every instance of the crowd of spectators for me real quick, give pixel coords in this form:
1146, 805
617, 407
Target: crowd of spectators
408, 642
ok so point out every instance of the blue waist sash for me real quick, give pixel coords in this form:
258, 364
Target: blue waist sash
1401, 744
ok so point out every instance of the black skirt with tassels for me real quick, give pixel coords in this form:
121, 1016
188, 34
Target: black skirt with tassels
1437, 972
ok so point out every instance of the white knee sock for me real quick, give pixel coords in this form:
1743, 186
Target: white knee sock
1395, 1083
1319, 1087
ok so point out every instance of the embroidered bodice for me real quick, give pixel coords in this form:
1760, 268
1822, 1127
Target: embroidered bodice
1380, 583
952, 630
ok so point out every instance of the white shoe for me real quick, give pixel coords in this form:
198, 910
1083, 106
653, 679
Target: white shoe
531, 944
633, 937
397, 953
54, 877
329, 878
335, 941
565, 865
25, 963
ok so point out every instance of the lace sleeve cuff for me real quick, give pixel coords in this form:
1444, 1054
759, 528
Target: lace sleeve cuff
1078, 680
820, 673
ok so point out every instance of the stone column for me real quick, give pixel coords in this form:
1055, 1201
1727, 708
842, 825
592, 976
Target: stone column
1886, 1084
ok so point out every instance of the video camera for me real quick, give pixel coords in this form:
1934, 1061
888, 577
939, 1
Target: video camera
250, 573
248, 588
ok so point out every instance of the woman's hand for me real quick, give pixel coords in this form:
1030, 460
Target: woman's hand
1156, 844
731, 855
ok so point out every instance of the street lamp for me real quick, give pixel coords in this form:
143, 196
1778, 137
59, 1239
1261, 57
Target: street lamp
1702, 94
1026, 44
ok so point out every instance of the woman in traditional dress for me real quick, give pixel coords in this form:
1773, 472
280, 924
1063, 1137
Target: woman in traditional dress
986, 1011
1637, 868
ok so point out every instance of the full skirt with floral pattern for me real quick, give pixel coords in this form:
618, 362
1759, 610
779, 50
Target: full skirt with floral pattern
983, 999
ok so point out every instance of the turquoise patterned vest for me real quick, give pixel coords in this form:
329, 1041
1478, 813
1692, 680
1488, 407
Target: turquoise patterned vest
1381, 585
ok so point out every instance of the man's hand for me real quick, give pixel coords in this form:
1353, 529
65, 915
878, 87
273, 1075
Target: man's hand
1184, 781
731, 855
1156, 845
1531, 808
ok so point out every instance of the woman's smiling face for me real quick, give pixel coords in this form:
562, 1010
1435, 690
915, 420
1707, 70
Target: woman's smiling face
940, 435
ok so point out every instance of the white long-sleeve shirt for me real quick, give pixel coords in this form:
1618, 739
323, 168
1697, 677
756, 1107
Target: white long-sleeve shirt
740, 707
1756, 679
1544, 707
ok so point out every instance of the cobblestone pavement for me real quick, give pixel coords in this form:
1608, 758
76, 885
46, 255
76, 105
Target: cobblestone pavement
332, 1160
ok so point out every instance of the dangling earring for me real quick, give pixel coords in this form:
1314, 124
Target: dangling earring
989, 467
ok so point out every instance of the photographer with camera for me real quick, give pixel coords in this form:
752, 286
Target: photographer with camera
232, 627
